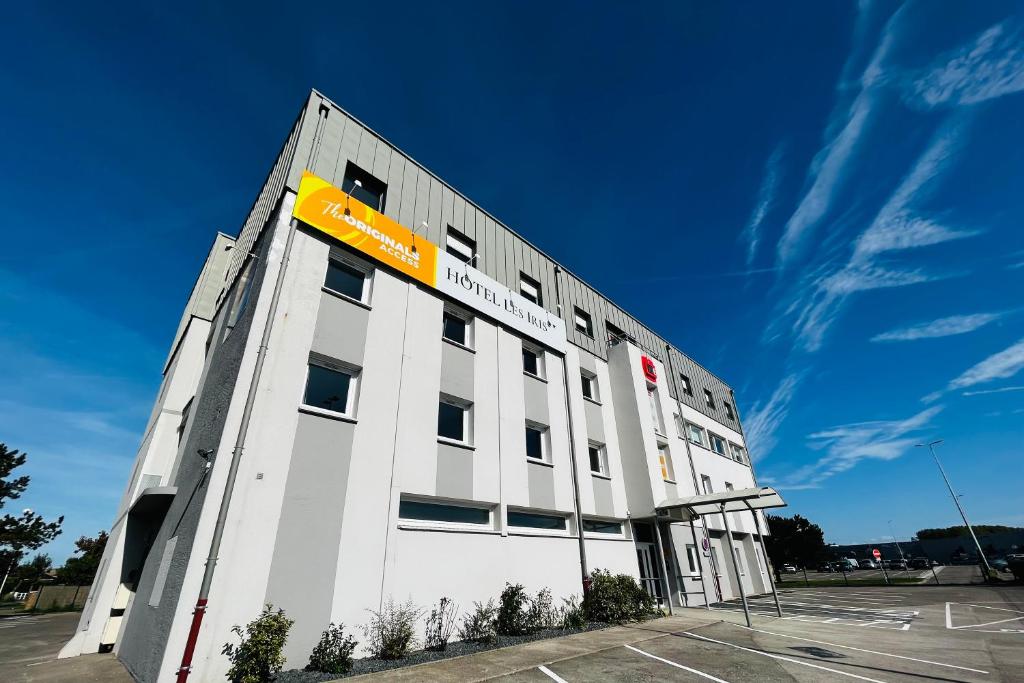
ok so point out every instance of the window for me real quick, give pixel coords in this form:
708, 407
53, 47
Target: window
362, 186
184, 419
678, 420
600, 526
691, 559
439, 512
589, 383
532, 520
533, 361
453, 420
739, 560
583, 322
346, 279
530, 288
696, 434
687, 387
460, 246
598, 458
709, 399
728, 410
739, 454
705, 482
244, 289
665, 462
717, 443
615, 335
536, 446
330, 388
456, 327
652, 398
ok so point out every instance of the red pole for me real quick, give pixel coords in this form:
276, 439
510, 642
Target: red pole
190, 644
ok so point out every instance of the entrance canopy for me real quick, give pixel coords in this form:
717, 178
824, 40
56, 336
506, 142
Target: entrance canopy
692, 507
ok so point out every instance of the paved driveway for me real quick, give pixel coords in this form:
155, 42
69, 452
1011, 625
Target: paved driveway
28, 652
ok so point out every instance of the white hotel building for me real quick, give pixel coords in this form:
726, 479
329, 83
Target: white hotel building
349, 412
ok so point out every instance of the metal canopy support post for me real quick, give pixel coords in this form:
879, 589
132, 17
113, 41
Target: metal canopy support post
764, 551
661, 562
736, 565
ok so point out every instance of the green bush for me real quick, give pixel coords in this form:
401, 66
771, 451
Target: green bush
540, 615
571, 615
258, 657
333, 654
511, 620
478, 626
391, 632
440, 625
616, 599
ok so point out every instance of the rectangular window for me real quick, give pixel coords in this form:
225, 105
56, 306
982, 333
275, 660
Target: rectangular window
717, 443
696, 434
652, 398
615, 335
600, 526
709, 399
739, 454
687, 387
453, 420
533, 361
536, 446
589, 384
459, 246
363, 186
728, 410
739, 560
705, 481
456, 327
665, 462
330, 389
346, 279
529, 288
583, 322
678, 420
530, 520
691, 559
598, 458
184, 419
439, 512
243, 289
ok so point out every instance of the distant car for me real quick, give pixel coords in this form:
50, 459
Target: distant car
897, 564
788, 569
918, 563
867, 564
999, 564
848, 564
826, 567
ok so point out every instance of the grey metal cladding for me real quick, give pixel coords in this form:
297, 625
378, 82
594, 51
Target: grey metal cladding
341, 329
326, 143
454, 478
541, 483
603, 502
535, 395
456, 372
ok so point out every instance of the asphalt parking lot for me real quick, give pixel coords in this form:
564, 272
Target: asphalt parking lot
943, 575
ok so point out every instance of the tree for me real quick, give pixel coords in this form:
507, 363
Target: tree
29, 530
79, 571
961, 530
794, 540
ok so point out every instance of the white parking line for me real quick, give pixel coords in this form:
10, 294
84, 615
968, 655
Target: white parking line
781, 658
859, 649
675, 664
551, 674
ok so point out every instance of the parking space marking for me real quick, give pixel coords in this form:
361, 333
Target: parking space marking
551, 674
781, 658
977, 628
675, 664
860, 649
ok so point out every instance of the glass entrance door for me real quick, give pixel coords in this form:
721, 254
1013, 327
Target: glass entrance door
650, 578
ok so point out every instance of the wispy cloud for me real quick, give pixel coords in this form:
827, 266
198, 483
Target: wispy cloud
846, 445
942, 327
989, 67
764, 420
766, 194
1006, 363
1001, 390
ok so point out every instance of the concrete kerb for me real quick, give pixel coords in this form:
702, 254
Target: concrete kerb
516, 658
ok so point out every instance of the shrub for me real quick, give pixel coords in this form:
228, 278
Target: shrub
540, 615
571, 615
478, 626
511, 619
333, 654
616, 599
440, 625
391, 632
258, 658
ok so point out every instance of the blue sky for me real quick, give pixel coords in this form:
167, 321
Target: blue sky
826, 198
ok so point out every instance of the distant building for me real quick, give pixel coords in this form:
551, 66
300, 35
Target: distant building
439, 408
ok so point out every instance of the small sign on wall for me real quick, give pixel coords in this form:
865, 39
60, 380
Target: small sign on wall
650, 371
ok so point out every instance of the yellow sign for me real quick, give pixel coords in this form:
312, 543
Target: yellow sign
330, 210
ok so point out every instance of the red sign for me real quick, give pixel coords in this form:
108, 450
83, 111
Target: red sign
650, 372
877, 553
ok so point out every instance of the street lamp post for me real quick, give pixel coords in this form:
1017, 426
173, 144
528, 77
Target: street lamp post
931, 448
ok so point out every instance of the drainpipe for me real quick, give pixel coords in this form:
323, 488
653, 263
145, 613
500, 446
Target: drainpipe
236, 458
584, 572
696, 490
